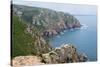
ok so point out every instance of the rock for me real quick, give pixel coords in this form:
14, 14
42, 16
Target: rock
64, 54
41, 45
50, 57
26, 60
82, 57
53, 21
50, 33
62, 25
29, 29
77, 25
19, 13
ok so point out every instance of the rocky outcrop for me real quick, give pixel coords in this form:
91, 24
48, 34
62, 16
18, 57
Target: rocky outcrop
29, 29
73, 25
54, 30
82, 57
41, 46
50, 32
64, 54
26, 61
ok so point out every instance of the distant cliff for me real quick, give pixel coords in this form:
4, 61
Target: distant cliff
52, 21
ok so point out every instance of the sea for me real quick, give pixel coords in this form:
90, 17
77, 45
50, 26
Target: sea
84, 38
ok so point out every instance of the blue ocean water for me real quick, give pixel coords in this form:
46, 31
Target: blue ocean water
84, 39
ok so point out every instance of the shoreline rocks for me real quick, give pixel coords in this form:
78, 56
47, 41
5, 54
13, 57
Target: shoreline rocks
64, 54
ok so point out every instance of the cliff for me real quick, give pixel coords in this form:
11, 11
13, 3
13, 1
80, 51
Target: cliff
30, 26
52, 21
64, 54
25, 41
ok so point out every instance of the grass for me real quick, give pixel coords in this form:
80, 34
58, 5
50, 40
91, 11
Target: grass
23, 43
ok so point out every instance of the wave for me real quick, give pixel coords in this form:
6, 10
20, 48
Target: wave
61, 33
84, 26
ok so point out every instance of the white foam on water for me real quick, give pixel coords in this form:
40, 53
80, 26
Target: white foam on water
84, 26
62, 33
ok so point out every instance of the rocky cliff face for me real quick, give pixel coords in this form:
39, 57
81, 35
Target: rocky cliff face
30, 25
52, 21
65, 54
26, 39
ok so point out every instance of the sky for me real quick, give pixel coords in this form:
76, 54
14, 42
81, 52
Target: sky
73, 9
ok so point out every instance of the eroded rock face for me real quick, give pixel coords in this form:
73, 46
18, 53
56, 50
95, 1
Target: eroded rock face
54, 21
50, 32
64, 54
60, 27
82, 57
55, 29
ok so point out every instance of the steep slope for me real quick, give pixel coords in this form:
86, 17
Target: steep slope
26, 61
24, 43
31, 26
66, 53
53, 21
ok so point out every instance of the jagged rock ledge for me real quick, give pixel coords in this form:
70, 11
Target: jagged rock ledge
60, 27
65, 54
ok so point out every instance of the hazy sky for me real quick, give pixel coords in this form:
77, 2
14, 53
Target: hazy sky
69, 8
